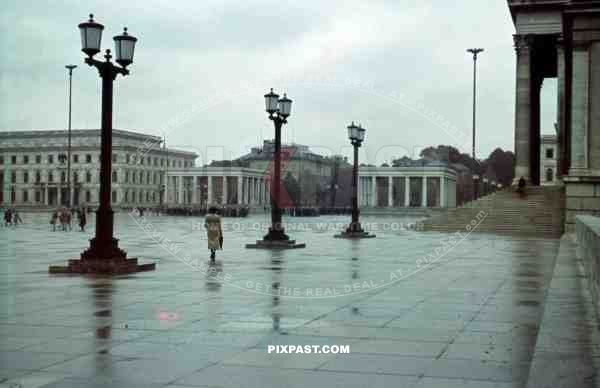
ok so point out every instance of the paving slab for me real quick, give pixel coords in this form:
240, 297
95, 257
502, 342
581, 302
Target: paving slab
470, 318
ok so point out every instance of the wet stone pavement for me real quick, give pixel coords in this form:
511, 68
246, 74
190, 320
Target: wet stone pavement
416, 309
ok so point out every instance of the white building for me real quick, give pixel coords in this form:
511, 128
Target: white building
430, 185
549, 161
33, 171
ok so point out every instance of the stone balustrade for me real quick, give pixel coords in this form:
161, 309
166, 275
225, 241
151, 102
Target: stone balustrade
588, 250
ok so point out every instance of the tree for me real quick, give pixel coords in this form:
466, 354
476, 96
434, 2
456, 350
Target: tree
502, 163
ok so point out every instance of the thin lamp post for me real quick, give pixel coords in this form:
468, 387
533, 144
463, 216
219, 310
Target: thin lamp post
474, 51
70, 68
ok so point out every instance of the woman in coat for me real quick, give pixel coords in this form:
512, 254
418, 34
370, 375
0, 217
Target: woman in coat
214, 232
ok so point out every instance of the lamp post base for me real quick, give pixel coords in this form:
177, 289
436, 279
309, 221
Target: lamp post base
107, 259
276, 239
354, 230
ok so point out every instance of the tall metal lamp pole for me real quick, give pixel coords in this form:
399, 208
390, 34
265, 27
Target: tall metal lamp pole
474, 51
70, 68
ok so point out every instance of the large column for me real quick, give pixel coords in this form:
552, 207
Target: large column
374, 191
406, 191
523, 107
390, 191
240, 189
209, 188
424, 192
442, 191
579, 111
593, 128
562, 156
194, 189
58, 194
180, 189
224, 200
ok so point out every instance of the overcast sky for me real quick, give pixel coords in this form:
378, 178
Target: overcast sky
399, 67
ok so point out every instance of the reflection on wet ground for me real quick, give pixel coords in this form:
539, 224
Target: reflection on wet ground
472, 316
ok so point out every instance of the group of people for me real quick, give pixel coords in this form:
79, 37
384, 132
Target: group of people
64, 216
12, 217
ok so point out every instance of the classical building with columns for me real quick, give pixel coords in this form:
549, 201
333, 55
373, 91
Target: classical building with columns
33, 168
206, 186
432, 185
560, 39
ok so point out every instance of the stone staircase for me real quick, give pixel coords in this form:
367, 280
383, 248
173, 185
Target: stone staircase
540, 213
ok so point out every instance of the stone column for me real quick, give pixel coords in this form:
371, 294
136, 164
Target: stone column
390, 191
180, 189
580, 110
374, 191
424, 192
224, 200
593, 144
406, 191
194, 189
209, 189
523, 107
561, 110
240, 190
442, 191
58, 195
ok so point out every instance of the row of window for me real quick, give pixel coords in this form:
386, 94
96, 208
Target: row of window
132, 196
136, 178
87, 158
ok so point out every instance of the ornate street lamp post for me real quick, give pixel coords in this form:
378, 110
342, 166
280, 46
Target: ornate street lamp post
104, 254
279, 109
356, 134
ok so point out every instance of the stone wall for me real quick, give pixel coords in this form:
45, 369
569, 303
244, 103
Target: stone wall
588, 251
582, 198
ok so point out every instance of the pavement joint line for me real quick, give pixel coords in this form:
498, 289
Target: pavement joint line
322, 297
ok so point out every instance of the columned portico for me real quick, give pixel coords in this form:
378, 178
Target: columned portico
560, 39
395, 186
235, 186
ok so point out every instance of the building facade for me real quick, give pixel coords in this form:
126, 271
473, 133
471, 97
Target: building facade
548, 162
560, 39
33, 168
432, 185
300, 160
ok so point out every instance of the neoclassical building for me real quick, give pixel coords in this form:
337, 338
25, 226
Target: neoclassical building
33, 168
560, 39
432, 185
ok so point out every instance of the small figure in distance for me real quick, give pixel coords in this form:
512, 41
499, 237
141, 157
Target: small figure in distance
214, 232
521, 187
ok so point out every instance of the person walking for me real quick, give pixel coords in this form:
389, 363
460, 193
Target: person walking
16, 217
521, 188
7, 217
214, 232
53, 220
82, 219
